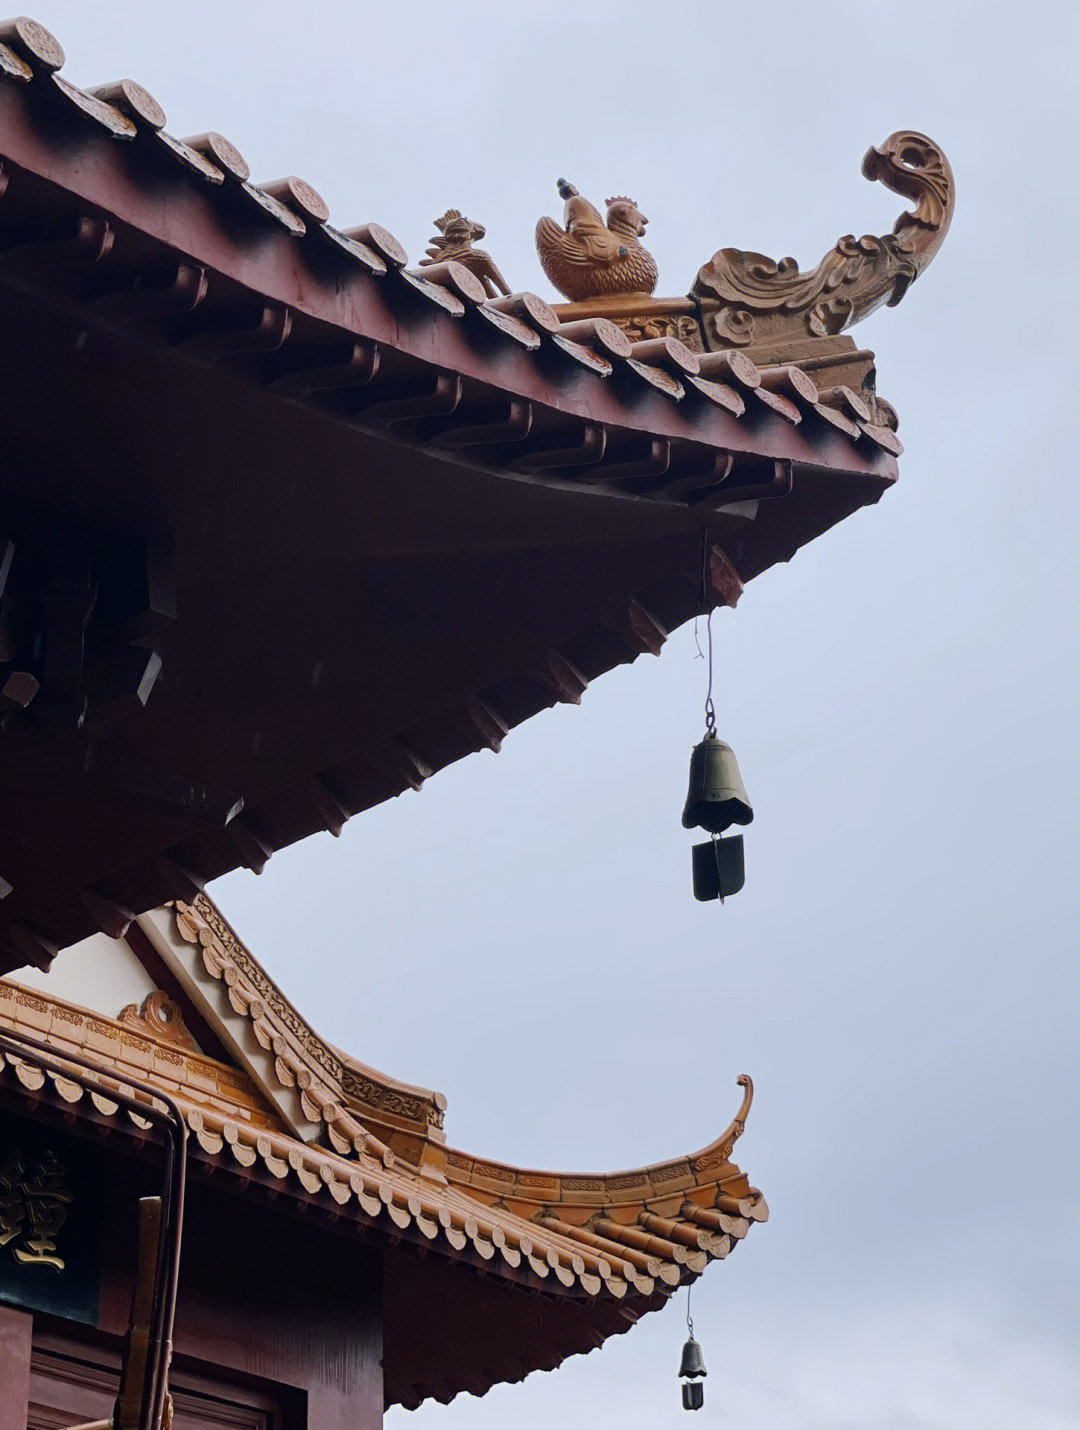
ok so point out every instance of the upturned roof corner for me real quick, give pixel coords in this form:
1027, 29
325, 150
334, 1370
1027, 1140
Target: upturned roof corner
751, 301
291, 1115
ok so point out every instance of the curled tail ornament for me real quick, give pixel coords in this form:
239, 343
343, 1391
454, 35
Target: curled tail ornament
750, 299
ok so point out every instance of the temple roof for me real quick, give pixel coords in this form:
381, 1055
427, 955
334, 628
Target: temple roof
367, 516
288, 1112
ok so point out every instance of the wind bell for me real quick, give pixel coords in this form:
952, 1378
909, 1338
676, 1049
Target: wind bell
715, 800
692, 1367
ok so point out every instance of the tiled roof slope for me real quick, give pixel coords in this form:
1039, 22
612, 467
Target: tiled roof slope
613, 1245
193, 201
692, 1208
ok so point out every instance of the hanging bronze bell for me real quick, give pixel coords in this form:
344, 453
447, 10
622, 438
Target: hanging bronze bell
691, 1370
693, 1362
716, 797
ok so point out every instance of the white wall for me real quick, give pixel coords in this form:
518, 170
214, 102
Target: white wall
100, 973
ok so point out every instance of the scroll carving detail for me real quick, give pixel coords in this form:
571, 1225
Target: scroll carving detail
193, 919
642, 327
238, 954
159, 1017
389, 1100
762, 300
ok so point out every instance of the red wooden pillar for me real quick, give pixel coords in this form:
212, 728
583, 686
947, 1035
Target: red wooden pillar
15, 1333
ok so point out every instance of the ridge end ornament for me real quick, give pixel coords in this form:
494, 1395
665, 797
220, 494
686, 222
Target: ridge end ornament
454, 243
750, 299
594, 257
159, 1017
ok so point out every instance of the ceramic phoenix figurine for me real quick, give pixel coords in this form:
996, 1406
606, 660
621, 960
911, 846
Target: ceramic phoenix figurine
591, 258
455, 240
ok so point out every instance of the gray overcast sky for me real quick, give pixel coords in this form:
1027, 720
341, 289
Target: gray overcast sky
899, 974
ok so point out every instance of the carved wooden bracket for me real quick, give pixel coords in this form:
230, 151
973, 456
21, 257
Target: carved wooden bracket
749, 299
81, 623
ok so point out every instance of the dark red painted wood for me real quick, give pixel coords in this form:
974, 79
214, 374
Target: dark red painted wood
15, 1333
278, 1298
96, 170
74, 1379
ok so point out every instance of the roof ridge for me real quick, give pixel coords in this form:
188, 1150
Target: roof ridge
687, 1170
341, 1091
72, 1025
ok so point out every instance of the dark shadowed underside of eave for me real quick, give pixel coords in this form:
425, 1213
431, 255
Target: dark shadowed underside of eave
348, 608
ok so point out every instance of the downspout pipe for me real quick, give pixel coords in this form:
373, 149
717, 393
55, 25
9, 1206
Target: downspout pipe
168, 1117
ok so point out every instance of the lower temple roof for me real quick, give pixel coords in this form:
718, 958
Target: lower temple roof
293, 1116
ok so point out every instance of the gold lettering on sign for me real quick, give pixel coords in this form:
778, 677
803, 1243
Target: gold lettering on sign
40, 1198
12, 1208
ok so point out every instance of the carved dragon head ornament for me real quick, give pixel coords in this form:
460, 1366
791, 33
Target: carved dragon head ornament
748, 298
912, 165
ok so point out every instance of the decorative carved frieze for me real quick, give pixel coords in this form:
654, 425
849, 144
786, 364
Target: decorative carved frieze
267, 990
492, 1171
36, 1010
660, 324
380, 1098
672, 1172
723, 1147
627, 1181
200, 922
583, 1184
538, 1182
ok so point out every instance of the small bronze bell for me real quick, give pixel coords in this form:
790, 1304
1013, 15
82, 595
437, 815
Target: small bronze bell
716, 797
692, 1371
693, 1362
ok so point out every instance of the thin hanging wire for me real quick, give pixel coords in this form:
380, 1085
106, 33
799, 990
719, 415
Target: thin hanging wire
710, 733
689, 1318
710, 709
